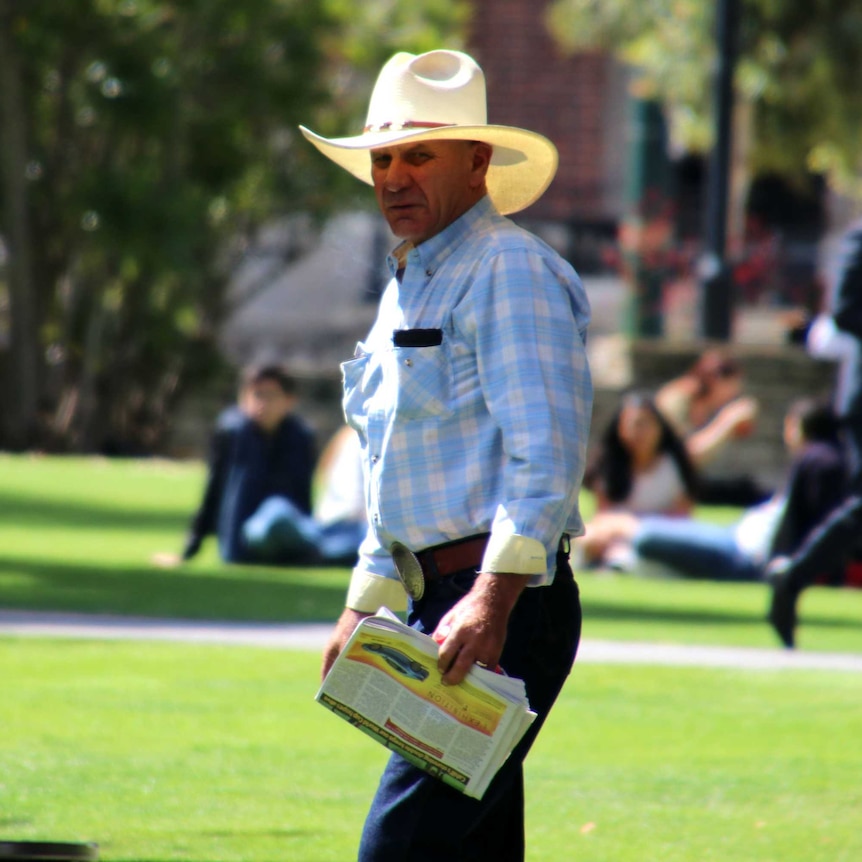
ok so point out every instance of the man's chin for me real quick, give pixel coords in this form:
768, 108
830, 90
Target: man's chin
409, 231
406, 225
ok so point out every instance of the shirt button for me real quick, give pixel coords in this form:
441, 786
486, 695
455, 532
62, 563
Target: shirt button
408, 363
429, 272
375, 459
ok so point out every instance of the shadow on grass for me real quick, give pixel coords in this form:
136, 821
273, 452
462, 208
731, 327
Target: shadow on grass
683, 616
291, 835
236, 593
612, 612
33, 513
270, 594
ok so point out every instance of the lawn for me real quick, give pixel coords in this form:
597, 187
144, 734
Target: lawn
165, 752
78, 535
219, 754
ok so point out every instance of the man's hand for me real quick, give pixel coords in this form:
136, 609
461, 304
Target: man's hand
347, 622
474, 630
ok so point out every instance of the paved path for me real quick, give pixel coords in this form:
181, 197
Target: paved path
312, 636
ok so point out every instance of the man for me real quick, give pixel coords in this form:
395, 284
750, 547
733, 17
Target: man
261, 459
472, 399
830, 545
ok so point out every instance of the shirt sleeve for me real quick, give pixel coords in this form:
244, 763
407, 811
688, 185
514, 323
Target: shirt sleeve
528, 319
368, 593
373, 582
203, 522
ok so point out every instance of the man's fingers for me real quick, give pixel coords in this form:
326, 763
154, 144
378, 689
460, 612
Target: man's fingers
347, 622
328, 660
459, 669
449, 652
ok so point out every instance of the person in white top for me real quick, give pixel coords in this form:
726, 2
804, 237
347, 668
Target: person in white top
340, 487
641, 468
739, 552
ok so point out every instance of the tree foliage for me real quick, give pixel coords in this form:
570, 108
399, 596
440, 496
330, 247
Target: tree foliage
799, 67
143, 142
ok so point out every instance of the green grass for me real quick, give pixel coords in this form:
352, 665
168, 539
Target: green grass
78, 535
164, 752
214, 754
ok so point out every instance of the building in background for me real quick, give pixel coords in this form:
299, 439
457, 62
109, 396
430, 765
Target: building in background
579, 101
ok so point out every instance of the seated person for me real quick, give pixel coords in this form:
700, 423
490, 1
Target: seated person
739, 552
707, 408
332, 535
260, 451
641, 468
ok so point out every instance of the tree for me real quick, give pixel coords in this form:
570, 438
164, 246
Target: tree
144, 132
799, 69
143, 143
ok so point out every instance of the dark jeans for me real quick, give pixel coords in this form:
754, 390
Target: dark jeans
730, 491
829, 546
837, 538
415, 817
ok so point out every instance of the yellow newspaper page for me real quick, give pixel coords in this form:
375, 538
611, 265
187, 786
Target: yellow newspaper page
386, 683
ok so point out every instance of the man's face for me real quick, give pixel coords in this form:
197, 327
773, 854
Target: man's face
423, 187
266, 404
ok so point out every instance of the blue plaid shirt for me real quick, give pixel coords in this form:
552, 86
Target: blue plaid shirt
479, 421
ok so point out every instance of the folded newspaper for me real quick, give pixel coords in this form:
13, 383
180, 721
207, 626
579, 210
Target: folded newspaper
386, 683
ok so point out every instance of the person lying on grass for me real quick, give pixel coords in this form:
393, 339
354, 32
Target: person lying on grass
740, 551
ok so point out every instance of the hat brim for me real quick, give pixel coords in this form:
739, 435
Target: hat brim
522, 166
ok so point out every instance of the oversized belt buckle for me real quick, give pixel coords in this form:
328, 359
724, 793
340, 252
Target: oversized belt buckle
408, 569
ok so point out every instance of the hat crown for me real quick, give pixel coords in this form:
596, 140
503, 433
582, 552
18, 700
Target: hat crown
436, 88
440, 96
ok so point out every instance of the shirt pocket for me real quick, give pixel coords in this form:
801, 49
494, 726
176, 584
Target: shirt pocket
423, 381
355, 374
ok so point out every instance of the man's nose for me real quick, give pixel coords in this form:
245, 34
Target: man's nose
397, 176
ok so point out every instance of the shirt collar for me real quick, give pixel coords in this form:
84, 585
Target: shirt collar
431, 253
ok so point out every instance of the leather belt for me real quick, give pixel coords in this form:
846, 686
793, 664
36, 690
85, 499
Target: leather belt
441, 561
436, 562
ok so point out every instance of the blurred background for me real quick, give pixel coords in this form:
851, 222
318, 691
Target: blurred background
163, 223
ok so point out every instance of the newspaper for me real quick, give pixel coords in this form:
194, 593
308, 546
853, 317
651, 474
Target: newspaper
385, 682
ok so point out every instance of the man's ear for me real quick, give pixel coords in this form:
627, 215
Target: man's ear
482, 153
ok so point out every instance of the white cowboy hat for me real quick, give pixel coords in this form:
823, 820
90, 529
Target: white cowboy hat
441, 96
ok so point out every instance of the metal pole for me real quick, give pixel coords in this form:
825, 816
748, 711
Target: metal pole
646, 229
716, 282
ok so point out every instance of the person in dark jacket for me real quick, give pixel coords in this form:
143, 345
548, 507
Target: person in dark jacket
831, 544
260, 451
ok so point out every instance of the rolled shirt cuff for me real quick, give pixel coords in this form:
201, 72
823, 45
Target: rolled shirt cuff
368, 592
514, 554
